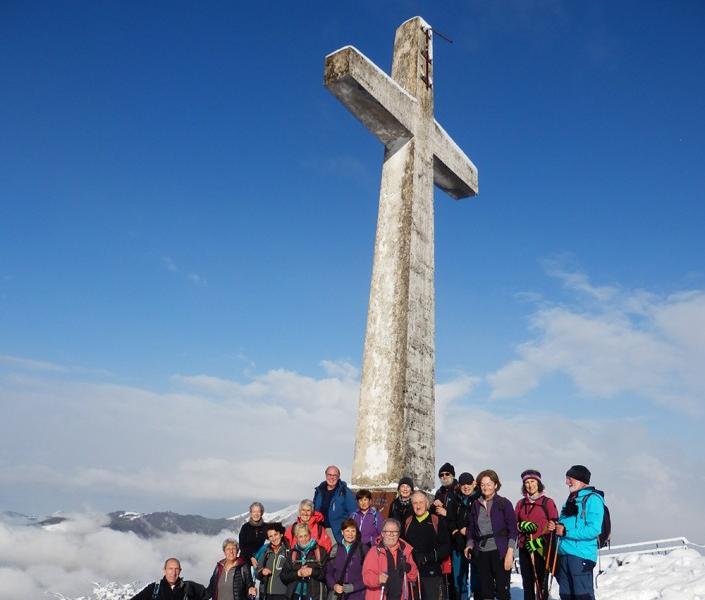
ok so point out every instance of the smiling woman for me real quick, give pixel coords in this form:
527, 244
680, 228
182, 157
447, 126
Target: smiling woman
232, 576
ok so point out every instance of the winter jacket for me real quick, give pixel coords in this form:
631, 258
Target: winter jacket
274, 561
430, 540
242, 579
376, 563
315, 526
400, 510
582, 529
251, 539
446, 494
183, 590
540, 511
309, 588
351, 579
342, 505
369, 524
457, 518
504, 524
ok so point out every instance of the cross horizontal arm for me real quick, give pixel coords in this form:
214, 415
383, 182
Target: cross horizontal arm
372, 96
453, 171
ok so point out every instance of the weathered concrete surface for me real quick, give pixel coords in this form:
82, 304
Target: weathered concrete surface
396, 419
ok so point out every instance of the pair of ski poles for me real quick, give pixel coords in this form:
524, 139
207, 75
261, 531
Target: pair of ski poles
543, 588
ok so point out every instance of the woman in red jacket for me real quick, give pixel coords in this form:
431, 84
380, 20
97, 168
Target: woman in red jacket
533, 511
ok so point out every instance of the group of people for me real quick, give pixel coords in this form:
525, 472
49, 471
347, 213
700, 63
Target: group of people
460, 544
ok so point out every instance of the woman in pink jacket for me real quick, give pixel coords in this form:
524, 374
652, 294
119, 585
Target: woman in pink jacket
389, 571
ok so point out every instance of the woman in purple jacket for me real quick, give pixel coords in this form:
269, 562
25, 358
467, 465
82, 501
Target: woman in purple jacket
368, 519
344, 571
491, 538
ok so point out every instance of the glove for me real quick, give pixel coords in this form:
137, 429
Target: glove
348, 588
528, 527
407, 568
535, 545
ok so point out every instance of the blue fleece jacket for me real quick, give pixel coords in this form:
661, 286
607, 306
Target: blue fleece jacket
583, 529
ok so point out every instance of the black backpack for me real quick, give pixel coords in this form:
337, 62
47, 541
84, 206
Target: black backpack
606, 531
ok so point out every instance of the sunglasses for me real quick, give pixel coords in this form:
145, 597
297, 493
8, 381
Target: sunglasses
445, 474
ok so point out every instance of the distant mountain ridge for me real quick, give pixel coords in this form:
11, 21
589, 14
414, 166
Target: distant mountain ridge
150, 525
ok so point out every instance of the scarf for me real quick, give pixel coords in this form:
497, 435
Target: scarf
303, 585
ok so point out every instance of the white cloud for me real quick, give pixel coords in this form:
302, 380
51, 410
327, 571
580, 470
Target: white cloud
635, 468
340, 368
27, 364
615, 342
69, 557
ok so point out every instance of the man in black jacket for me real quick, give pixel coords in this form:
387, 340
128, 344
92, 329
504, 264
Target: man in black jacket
429, 537
171, 586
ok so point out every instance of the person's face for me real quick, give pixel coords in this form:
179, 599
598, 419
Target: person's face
332, 477
467, 488
532, 486
303, 538
574, 485
349, 534
488, 487
305, 514
390, 535
405, 490
256, 513
230, 552
274, 537
418, 503
172, 572
446, 478
363, 504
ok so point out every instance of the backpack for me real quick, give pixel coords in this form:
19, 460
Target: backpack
434, 522
316, 553
446, 562
525, 503
603, 539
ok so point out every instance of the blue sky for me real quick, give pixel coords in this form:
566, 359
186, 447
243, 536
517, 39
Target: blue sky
187, 220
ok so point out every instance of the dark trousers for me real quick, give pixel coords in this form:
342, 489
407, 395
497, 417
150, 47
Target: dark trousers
432, 587
527, 572
493, 580
575, 578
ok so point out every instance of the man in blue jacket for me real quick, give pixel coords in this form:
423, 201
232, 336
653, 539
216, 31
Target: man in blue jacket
336, 502
578, 527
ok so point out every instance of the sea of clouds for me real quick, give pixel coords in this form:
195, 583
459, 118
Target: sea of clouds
68, 558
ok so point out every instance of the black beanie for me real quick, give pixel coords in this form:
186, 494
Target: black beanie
465, 479
580, 473
447, 468
406, 480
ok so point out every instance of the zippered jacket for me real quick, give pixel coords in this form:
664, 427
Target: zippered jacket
539, 511
272, 585
342, 505
583, 529
369, 524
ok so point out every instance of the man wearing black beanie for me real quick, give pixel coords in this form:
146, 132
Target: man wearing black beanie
442, 506
578, 528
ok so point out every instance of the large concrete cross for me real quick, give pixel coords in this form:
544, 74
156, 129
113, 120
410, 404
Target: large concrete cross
396, 418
